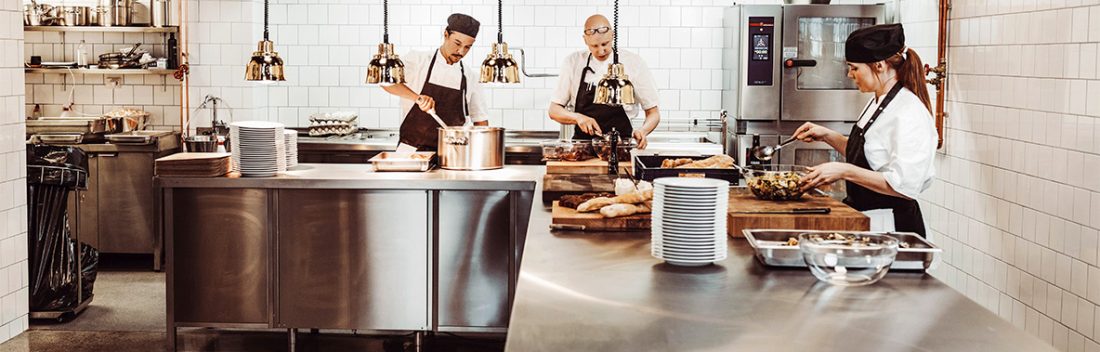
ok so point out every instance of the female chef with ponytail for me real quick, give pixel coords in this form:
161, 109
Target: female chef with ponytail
890, 150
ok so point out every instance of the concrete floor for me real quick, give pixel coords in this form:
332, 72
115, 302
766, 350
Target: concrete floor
127, 314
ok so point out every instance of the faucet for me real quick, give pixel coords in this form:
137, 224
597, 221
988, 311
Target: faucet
217, 127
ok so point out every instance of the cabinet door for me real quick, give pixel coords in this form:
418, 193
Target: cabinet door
475, 245
126, 203
87, 228
353, 259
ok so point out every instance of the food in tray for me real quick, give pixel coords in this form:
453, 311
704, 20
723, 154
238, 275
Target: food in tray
567, 150
574, 200
780, 185
125, 112
847, 239
720, 161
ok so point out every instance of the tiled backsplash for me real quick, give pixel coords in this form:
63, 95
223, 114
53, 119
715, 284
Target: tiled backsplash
13, 186
1016, 204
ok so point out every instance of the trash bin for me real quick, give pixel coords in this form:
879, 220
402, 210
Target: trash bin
61, 274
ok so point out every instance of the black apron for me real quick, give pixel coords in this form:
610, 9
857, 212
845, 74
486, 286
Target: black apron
907, 214
419, 129
606, 116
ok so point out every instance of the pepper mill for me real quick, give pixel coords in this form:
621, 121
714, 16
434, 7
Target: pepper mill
613, 157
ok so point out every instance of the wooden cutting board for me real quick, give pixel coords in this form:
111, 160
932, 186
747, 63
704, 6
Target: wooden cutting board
595, 222
587, 167
841, 217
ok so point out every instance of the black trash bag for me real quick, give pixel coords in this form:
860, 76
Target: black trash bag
53, 253
89, 262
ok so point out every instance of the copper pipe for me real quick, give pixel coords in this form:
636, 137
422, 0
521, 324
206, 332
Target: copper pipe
941, 86
185, 82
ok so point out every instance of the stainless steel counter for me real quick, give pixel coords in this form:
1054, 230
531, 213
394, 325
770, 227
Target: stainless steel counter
360, 176
604, 292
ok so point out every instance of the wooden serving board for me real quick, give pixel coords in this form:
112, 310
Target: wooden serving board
587, 167
595, 222
841, 217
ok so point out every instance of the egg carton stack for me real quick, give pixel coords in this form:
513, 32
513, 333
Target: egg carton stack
335, 123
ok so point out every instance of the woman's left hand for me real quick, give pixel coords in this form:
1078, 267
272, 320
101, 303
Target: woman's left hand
824, 174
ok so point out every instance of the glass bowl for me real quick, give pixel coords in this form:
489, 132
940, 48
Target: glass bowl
603, 149
775, 182
848, 259
566, 150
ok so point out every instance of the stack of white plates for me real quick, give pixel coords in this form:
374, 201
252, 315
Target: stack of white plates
259, 148
689, 220
291, 139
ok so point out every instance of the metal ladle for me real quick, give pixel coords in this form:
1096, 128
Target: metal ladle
437, 118
765, 153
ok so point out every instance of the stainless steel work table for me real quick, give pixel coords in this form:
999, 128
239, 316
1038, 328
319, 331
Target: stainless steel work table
602, 291
337, 246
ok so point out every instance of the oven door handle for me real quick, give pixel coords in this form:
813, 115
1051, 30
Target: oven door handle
792, 63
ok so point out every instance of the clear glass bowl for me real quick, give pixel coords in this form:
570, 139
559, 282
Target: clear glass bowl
567, 150
603, 149
848, 259
775, 182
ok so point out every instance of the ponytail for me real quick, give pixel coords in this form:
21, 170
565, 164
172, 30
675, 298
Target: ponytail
911, 75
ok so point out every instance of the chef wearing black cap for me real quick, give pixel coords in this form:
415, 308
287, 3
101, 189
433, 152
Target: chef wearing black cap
438, 80
890, 151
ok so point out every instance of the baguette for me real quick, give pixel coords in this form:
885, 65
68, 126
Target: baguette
618, 209
634, 197
595, 204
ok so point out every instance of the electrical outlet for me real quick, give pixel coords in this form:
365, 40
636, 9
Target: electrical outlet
112, 81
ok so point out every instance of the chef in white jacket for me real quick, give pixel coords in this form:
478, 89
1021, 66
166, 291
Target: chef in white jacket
890, 150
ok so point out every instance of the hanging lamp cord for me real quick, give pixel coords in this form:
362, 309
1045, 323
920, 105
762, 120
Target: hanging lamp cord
615, 27
500, 21
265, 20
385, 21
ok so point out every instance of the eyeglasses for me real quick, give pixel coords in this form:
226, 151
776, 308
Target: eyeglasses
600, 30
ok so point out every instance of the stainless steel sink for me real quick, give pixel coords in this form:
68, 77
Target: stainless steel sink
678, 137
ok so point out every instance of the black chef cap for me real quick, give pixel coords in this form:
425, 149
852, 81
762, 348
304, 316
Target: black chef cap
875, 43
464, 24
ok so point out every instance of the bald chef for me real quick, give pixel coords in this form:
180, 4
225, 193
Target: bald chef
438, 80
577, 87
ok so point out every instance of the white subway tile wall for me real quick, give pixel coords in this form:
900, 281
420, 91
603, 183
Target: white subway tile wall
13, 186
1017, 197
327, 43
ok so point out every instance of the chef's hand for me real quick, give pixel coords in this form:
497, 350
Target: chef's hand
641, 138
824, 174
811, 132
425, 102
589, 125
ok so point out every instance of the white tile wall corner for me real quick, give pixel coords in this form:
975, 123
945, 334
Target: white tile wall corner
1016, 200
13, 188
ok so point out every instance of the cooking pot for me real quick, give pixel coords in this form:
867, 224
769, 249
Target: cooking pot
32, 15
471, 148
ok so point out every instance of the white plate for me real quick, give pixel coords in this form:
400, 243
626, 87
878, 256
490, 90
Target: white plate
692, 182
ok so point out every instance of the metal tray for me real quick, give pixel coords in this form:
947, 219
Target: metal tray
393, 161
58, 138
771, 249
137, 137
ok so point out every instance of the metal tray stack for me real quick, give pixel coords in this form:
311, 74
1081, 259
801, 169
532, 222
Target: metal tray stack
772, 249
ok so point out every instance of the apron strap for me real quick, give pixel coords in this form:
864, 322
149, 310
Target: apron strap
461, 86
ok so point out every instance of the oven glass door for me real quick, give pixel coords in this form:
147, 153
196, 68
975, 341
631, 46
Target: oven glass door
815, 84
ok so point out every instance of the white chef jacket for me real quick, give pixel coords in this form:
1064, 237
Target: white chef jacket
450, 76
645, 90
901, 144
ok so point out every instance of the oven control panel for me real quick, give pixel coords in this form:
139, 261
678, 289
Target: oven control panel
761, 63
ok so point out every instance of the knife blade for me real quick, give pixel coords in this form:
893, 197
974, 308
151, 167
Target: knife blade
788, 211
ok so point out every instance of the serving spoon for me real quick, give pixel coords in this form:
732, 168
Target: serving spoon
765, 153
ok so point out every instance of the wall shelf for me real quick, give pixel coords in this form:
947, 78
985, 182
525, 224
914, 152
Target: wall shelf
172, 29
100, 71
